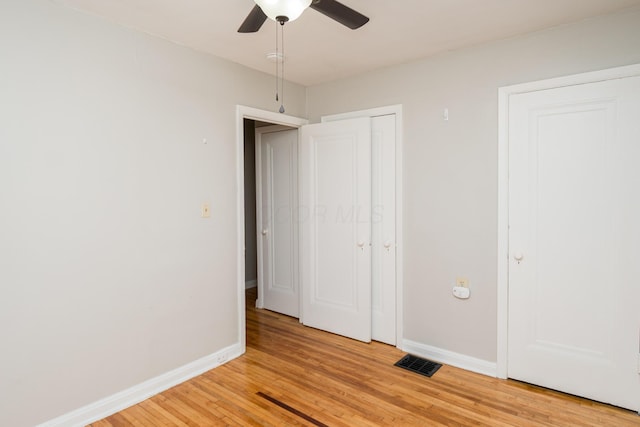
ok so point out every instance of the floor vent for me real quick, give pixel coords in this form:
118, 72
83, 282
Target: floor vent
420, 366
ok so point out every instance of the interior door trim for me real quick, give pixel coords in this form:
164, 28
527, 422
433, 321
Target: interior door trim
503, 186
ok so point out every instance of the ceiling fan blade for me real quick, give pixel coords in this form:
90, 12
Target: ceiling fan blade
339, 12
253, 21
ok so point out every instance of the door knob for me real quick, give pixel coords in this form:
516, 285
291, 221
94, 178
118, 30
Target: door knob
361, 244
518, 256
387, 245
264, 232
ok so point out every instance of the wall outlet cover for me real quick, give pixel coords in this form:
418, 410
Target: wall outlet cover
460, 292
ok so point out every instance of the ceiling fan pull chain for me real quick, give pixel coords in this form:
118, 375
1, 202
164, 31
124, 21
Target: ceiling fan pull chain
277, 59
282, 82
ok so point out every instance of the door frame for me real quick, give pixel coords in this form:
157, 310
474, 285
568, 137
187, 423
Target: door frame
385, 111
503, 186
243, 112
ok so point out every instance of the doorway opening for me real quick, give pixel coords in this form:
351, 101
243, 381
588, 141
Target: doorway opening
252, 212
244, 117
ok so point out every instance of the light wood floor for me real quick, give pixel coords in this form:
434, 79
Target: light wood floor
297, 376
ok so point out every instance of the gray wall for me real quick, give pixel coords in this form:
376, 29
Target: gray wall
108, 274
450, 167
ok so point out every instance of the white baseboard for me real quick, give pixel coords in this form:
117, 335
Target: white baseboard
250, 284
136, 394
450, 358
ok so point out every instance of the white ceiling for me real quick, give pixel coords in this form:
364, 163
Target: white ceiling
319, 50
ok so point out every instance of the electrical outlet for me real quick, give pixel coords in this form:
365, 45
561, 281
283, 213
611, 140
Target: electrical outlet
221, 358
205, 211
462, 282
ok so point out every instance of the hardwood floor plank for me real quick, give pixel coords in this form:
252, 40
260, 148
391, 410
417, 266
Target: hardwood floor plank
179, 411
244, 402
169, 418
297, 376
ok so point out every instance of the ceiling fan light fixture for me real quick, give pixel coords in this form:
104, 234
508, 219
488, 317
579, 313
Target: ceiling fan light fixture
291, 9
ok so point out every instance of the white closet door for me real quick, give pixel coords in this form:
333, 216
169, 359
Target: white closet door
277, 192
383, 227
335, 227
574, 209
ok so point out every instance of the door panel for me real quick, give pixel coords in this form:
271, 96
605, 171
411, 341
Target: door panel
335, 221
277, 164
573, 242
383, 228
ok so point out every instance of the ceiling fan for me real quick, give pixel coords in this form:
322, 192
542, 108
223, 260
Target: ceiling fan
288, 10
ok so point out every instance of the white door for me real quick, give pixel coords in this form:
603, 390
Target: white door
277, 227
335, 227
574, 233
383, 228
